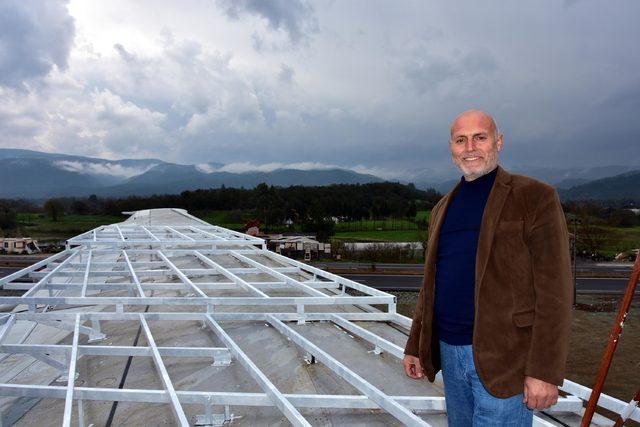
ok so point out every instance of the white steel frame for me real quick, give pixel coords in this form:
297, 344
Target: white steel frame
142, 259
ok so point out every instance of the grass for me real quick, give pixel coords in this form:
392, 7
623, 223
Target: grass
622, 238
234, 220
42, 227
373, 225
423, 215
379, 236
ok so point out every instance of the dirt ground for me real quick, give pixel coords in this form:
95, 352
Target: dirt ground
593, 320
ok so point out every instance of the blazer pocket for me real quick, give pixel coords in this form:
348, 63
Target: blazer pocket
524, 318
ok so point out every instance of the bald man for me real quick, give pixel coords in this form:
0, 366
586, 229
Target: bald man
494, 310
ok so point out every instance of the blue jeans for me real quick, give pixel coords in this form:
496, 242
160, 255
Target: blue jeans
468, 402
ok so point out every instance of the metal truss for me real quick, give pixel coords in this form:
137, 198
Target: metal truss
186, 270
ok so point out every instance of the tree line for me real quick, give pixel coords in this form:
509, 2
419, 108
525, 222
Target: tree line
312, 207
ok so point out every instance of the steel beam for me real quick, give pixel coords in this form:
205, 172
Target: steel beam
164, 375
37, 265
394, 408
48, 276
187, 282
383, 344
133, 274
85, 280
226, 273
71, 375
274, 394
301, 286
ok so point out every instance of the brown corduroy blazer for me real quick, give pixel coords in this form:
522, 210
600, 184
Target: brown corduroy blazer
523, 288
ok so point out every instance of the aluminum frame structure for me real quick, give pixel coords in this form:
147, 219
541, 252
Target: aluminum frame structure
192, 271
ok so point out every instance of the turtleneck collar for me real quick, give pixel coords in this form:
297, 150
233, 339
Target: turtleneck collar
486, 179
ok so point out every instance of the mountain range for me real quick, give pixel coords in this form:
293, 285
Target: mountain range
38, 175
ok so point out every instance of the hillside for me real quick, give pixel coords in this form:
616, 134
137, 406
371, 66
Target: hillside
623, 186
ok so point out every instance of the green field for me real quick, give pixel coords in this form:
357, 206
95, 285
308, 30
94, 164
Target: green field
234, 220
378, 236
423, 215
621, 239
381, 225
41, 227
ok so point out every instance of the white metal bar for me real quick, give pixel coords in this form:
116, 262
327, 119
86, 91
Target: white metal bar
605, 401
187, 282
168, 285
244, 284
387, 346
274, 301
114, 350
153, 236
307, 289
206, 233
334, 277
173, 230
174, 316
48, 276
85, 280
119, 232
276, 396
134, 276
33, 267
375, 394
423, 404
7, 327
164, 375
71, 375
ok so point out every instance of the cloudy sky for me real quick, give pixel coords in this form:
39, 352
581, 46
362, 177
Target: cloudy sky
371, 85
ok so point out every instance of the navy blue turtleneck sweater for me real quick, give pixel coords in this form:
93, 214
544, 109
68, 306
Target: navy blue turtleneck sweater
456, 260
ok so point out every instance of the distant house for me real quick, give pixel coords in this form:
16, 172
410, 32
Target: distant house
20, 245
299, 247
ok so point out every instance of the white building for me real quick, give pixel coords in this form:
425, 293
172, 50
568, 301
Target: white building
19, 245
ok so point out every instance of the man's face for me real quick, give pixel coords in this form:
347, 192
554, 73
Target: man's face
474, 144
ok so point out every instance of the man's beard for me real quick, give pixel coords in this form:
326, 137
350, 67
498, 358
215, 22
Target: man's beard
491, 161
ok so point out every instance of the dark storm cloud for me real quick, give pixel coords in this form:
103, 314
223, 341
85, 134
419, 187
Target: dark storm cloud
429, 72
255, 81
34, 36
294, 17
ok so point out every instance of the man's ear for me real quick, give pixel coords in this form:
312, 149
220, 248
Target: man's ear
499, 142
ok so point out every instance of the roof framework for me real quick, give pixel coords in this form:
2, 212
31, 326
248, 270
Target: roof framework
189, 271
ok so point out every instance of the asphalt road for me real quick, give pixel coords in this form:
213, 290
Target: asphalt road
581, 266
388, 282
413, 283
5, 271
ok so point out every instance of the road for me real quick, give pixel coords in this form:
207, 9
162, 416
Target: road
387, 282
581, 266
413, 283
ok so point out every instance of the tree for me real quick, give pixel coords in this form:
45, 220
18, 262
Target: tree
54, 208
79, 207
412, 210
7, 216
592, 238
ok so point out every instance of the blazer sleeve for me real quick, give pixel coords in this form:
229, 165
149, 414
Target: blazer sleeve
548, 242
413, 342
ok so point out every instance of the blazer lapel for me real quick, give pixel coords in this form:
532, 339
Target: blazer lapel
495, 202
432, 249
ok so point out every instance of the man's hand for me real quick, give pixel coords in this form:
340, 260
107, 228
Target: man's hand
412, 367
539, 394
